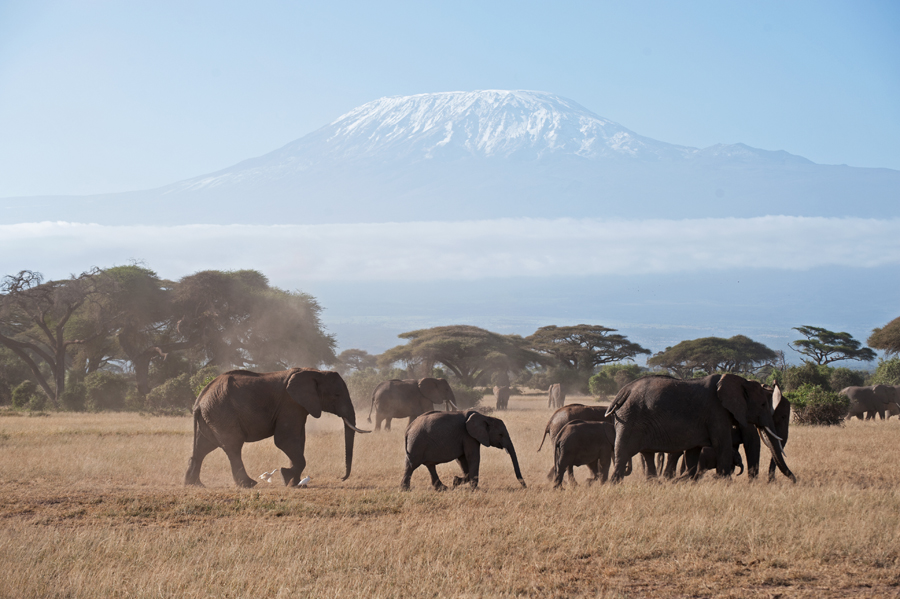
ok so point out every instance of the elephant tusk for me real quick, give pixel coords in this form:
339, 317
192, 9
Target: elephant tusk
454, 405
348, 425
768, 430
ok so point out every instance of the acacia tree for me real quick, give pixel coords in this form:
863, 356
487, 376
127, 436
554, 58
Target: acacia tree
356, 359
887, 337
583, 347
824, 346
472, 354
35, 318
714, 354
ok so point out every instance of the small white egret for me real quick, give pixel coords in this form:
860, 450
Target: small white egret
304, 483
267, 476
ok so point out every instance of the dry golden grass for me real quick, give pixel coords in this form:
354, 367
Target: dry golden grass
93, 506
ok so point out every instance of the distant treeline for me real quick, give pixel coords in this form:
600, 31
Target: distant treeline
124, 338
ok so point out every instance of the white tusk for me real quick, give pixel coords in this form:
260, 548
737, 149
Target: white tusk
768, 430
358, 430
454, 406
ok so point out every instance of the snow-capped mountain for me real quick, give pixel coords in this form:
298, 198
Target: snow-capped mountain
488, 154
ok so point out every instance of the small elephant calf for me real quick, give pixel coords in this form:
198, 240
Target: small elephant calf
581, 443
440, 437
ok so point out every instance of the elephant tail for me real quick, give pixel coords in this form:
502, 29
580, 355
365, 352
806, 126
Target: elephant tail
618, 401
544, 438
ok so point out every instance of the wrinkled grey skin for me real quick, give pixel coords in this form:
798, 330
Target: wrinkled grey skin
240, 407
581, 443
664, 414
408, 398
556, 398
871, 400
441, 437
502, 395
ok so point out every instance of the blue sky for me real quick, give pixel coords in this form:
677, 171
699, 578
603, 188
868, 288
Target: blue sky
109, 96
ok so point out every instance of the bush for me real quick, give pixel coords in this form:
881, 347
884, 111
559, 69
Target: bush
361, 384
23, 393
887, 372
613, 377
74, 397
202, 378
105, 390
814, 405
844, 377
794, 377
466, 397
174, 393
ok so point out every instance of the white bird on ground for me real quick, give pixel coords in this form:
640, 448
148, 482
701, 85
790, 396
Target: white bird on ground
304, 483
267, 476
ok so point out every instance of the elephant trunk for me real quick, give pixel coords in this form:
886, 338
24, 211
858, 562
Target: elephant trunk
515, 462
349, 435
774, 444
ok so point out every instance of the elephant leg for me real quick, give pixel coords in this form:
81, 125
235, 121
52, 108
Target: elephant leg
552, 474
622, 459
473, 458
202, 448
649, 464
233, 451
464, 465
772, 467
692, 462
407, 474
378, 419
571, 472
603, 463
435, 481
387, 424
671, 465
293, 445
558, 477
594, 467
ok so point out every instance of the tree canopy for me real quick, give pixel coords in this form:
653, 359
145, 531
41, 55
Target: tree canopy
583, 347
714, 354
471, 353
823, 346
887, 337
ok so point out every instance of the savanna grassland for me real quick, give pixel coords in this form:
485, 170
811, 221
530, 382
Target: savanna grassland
92, 505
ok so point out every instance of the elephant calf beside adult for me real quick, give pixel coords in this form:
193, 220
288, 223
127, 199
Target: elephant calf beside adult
581, 443
240, 407
408, 398
441, 437
665, 414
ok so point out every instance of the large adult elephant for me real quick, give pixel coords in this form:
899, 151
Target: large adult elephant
665, 414
240, 407
871, 400
556, 396
441, 437
408, 398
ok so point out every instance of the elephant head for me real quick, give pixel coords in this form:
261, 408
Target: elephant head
437, 391
319, 392
749, 404
491, 432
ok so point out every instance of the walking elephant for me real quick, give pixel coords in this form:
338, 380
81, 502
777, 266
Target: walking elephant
665, 414
871, 400
581, 443
240, 407
502, 394
556, 396
441, 437
565, 415
408, 398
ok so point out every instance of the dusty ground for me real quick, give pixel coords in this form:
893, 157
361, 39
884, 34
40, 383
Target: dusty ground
93, 506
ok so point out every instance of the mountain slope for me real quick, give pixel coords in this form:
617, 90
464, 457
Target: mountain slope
488, 154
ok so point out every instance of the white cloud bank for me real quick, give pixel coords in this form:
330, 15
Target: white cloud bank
458, 250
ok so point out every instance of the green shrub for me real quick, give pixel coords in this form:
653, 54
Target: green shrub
466, 397
74, 397
23, 393
612, 377
844, 377
794, 377
202, 378
887, 372
105, 390
174, 393
38, 402
814, 405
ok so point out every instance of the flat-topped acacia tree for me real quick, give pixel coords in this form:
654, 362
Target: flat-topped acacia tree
823, 346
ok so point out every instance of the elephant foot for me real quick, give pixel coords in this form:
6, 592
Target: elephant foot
194, 483
459, 480
247, 484
439, 486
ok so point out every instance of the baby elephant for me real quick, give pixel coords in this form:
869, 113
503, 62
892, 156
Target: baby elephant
440, 437
581, 443
706, 460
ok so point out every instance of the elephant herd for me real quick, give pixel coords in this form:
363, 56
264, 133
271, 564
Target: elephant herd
883, 400
700, 422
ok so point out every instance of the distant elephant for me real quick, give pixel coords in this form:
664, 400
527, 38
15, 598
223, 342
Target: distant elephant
557, 396
502, 395
240, 407
581, 443
408, 398
871, 400
441, 437
665, 414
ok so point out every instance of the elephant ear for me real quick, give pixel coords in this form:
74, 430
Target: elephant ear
430, 388
733, 396
477, 426
303, 387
